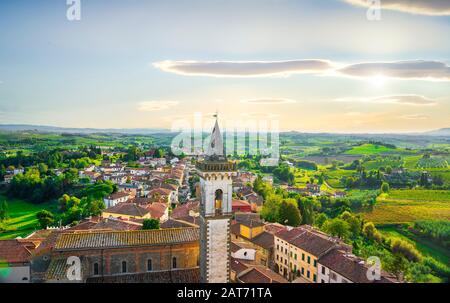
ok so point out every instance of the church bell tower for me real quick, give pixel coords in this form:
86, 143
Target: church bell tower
215, 173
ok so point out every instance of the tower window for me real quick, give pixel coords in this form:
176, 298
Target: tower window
218, 201
149, 265
174, 262
124, 266
96, 271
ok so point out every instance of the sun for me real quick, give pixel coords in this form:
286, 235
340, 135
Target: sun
378, 80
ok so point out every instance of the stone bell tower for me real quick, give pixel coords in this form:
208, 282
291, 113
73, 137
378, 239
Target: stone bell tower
215, 173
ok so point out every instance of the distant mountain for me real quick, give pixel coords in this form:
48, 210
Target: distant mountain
439, 132
55, 129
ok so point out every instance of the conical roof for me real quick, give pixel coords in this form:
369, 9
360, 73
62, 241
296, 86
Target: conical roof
215, 146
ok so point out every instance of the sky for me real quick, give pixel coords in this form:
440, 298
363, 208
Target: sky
311, 65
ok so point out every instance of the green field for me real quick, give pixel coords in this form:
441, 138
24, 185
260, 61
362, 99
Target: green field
22, 217
420, 195
382, 162
402, 206
368, 149
425, 246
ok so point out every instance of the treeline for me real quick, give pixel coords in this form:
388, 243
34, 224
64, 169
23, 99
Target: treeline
72, 209
37, 187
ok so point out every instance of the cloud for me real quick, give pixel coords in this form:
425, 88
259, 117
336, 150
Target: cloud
150, 106
422, 7
415, 117
268, 101
412, 69
244, 68
259, 115
415, 69
416, 100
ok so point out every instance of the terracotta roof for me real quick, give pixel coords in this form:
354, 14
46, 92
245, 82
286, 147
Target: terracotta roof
57, 270
264, 240
140, 200
260, 274
235, 246
161, 191
273, 228
236, 203
183, 210
237, 266
117, 224
190, 275
83, 225
129, 209
242, 217
348, 266
308, 239
157, 210
172, 223
15, 251
118, 239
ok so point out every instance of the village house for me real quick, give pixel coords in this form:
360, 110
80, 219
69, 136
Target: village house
259, 274
252, 232
158, 211
338, 266
91, 175
297, 251
17, 255
243, 251
115, 198
241, 206
127, 211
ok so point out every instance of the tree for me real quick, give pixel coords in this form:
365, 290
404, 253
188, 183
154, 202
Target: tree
150, 224
159, 153
45, 218
43, 168
270, 208
320, 219
397, 265
306, 210
385, 187
288, 213
406, 249
371, 232
3, 210
353, 221
337, 227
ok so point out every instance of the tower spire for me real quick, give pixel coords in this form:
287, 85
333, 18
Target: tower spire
215, 147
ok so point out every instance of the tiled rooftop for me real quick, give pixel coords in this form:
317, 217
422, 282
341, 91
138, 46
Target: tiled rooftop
117, 239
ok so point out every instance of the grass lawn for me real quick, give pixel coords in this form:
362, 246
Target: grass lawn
369, 149
22, 217
423, 245
403, 206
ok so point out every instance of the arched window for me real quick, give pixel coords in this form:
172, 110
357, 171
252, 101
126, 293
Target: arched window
149, 265
124, 266
218, 201
96, 271
174, 262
